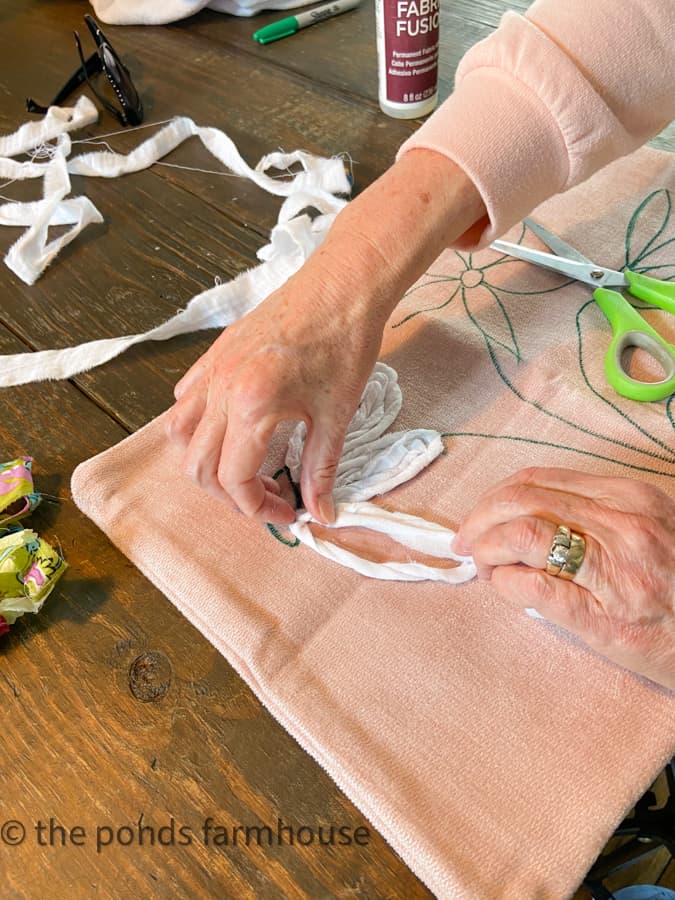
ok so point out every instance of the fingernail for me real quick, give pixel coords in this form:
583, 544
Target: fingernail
327, 508
459, 547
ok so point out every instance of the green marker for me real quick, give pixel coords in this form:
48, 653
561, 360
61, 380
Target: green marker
286, 27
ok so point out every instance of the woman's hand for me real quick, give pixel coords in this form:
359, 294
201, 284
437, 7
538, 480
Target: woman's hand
306, 352
301, 354
622, 600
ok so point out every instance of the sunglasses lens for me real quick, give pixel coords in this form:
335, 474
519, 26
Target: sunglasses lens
119, 77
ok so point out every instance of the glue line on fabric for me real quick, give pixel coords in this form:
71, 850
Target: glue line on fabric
286, 27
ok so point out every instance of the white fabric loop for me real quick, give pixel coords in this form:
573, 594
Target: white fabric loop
372, 462
57, 120
412, 531
383, 464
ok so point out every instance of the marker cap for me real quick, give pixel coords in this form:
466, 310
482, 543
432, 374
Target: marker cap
276, 30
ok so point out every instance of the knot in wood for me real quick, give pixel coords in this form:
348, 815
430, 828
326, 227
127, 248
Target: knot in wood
150, 676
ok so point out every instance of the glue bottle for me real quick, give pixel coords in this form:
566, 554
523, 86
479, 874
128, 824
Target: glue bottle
407, 56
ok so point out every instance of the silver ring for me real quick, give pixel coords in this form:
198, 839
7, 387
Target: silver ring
566, 554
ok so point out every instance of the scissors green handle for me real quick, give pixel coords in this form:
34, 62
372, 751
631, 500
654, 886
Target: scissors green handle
659, 293
631, 330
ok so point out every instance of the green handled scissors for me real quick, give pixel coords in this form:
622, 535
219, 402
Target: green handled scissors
629, 327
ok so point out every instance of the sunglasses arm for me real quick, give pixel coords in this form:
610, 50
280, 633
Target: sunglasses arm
90, 67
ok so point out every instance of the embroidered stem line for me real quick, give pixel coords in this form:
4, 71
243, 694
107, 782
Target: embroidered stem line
284, 470
488, 338
525, 440
583, 429
431, 308
632, 222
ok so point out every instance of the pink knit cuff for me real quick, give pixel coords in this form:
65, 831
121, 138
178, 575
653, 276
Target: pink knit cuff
524, 123
501, 134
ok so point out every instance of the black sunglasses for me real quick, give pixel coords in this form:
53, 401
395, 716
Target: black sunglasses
103, 59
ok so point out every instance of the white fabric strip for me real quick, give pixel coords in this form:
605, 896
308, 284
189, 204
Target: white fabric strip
57, 120
24, 214
293, 239
321, 176
411, 531
32, 253
215, 308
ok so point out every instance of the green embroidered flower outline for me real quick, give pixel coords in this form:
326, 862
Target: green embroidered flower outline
641, 244
470, 285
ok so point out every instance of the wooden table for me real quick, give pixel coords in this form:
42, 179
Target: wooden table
115, 708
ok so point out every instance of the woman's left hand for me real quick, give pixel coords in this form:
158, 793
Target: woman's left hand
622, 599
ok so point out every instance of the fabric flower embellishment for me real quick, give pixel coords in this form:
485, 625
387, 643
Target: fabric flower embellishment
29, 570
371, 464
29, 566
17, 497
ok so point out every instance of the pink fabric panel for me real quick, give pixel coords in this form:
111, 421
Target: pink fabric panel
494, 752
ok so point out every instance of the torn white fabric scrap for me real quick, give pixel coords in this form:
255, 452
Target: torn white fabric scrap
32, 253
319, 183
56, 121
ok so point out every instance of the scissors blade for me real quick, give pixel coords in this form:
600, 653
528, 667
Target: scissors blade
554, 243
587, 272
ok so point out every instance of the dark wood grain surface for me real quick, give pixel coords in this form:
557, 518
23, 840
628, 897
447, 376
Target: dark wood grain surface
115, 710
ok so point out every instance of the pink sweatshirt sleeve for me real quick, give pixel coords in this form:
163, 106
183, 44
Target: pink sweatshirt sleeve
553, 96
